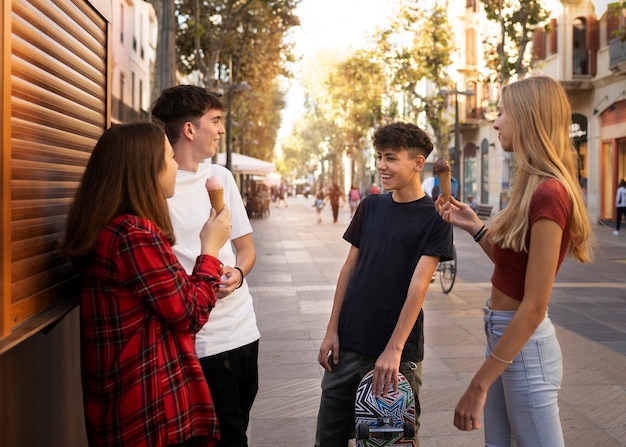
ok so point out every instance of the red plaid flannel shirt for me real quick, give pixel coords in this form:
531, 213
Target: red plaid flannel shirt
142, 381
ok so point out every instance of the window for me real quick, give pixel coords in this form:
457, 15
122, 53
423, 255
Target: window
484, 170
579, 54
553, 37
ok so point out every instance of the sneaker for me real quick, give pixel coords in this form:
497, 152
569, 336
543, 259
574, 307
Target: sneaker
616, 233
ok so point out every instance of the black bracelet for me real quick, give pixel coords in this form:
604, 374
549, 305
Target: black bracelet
478, 236
240, 271
478, 232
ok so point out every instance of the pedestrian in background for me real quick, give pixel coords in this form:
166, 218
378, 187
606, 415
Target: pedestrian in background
335, 197
546, 219
377, 321
429, 183
319, 204
471, 201
354, 198
228, 345
620, 204
141, 379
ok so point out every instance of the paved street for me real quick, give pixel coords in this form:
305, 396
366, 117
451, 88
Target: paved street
298, 262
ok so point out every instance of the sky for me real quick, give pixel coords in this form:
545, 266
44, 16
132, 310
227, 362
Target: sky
329, 25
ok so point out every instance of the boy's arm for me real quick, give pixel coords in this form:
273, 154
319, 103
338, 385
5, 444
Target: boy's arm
330, 344
388, 363
246, 257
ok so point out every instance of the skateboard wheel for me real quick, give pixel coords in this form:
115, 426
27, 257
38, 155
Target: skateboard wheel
409, 430
363, 431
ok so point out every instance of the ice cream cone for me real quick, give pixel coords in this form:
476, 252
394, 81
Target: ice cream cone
217, 199
444, 185
444, 176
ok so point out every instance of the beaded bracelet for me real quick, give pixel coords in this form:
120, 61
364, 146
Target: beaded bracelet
240, 271
478, 236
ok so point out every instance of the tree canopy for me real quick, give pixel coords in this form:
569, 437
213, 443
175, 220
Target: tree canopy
236, 41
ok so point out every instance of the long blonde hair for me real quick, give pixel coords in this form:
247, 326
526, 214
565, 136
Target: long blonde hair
539, 113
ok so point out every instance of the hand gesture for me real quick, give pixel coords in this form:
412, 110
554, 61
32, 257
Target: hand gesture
215, 232
457, 213
386, 371
469, 409
329, 351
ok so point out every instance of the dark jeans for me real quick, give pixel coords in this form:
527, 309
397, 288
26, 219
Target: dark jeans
621, 211
233, 379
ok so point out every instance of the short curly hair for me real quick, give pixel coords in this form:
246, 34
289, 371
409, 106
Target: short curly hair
399, 135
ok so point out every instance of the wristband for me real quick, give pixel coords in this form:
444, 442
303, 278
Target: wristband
478, 236
240, 271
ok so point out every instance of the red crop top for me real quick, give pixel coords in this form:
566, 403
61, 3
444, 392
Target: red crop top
551, 201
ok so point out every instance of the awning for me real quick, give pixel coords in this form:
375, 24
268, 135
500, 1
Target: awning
244, 164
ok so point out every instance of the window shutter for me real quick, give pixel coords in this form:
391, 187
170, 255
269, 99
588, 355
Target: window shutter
55, 106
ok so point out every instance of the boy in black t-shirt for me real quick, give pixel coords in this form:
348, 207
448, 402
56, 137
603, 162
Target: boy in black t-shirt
376, 322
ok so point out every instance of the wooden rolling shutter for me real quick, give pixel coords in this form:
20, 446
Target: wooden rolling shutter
55, 88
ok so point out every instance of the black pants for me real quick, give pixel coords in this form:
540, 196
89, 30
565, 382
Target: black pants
233, 379
335, 207
621, 211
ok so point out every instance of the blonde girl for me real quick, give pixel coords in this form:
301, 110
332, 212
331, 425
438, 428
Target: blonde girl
516, 387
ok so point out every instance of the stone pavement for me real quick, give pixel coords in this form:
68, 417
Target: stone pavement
298, 262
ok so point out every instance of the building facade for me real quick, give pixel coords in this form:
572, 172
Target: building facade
580, 50
133, 53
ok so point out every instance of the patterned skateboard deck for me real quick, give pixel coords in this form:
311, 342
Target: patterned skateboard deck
385, 422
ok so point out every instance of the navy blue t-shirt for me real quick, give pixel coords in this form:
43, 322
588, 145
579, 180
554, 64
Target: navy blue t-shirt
391, 238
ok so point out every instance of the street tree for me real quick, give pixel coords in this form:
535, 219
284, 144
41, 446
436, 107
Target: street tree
506, 53
417, 49
355, 88
235, 41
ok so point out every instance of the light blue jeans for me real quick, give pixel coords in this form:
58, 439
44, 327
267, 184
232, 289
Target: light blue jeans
523, 403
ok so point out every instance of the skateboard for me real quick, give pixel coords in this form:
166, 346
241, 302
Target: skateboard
385, 422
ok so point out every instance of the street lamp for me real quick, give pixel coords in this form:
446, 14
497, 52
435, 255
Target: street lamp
242, 86
457, 130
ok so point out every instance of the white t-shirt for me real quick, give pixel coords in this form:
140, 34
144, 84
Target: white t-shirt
427, 185
232, 322
620, 197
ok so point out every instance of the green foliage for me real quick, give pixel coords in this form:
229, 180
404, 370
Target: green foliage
617, 10
418, 48
236, 41
506, 54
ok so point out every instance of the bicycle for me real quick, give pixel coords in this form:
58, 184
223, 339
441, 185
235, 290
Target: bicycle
447, 272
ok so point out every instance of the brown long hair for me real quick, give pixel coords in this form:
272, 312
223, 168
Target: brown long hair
121, 177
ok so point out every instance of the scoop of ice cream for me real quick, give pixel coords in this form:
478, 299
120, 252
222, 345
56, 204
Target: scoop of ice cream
444, 175
216, 193
213, 183
442, 165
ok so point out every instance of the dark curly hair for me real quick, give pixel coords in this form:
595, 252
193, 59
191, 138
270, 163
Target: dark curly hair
399, 135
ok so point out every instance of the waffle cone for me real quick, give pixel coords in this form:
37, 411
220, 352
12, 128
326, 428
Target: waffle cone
217, 199
444, 185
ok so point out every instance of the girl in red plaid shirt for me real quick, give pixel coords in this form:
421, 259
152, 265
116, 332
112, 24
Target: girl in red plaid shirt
142, 382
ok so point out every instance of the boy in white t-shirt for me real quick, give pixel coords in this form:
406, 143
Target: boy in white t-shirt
227, 345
